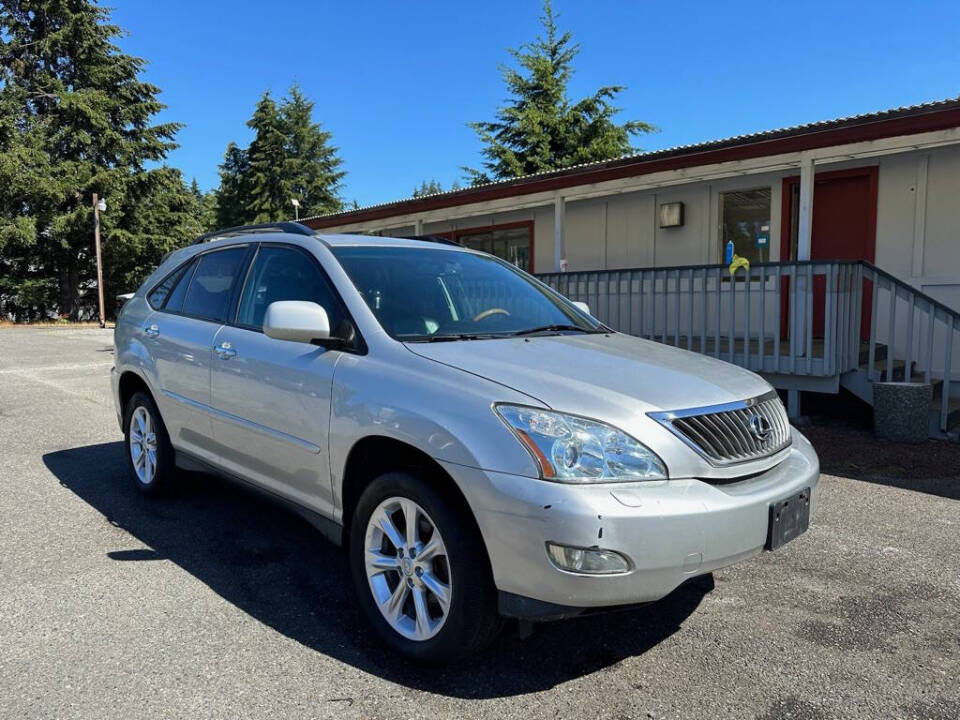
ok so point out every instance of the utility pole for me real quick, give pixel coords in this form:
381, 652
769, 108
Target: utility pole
96, 242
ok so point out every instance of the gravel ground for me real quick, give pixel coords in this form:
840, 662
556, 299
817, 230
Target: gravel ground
214, 604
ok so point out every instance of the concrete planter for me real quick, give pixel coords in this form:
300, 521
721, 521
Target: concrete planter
901, 410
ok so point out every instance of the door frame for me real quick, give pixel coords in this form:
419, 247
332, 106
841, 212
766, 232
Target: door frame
871, 172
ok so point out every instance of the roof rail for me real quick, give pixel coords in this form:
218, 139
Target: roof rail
432, 238
294, 228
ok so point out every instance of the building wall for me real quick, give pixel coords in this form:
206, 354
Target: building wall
940, 271
623, 231
917, 239
918, 223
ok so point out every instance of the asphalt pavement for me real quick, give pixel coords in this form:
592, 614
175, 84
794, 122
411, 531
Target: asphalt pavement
214, 603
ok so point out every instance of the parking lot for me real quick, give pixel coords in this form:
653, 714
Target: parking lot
212, 603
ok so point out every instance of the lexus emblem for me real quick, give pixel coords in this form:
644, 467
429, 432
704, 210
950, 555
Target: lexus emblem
760, 427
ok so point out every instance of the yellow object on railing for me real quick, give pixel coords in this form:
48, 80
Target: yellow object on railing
739, 262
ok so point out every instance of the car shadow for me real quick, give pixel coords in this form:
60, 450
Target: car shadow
277, 568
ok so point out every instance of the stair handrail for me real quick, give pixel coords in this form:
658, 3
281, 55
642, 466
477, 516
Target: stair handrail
912, 289
937, 310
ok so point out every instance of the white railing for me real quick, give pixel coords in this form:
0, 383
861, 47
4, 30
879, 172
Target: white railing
918, 332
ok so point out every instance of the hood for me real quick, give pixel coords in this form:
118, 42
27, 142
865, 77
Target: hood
599, 375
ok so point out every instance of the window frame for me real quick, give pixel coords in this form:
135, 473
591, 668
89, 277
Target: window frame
721, 241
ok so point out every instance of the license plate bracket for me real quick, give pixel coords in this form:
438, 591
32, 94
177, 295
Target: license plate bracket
789, 518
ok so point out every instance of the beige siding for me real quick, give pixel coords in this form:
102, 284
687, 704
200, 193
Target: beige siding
941, 256
584, 237
543, 239
896, 200
623, 231
630, 231
684, 245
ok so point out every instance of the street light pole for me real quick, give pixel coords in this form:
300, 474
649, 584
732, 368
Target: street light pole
96, 242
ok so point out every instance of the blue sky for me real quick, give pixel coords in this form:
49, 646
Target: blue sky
396, 82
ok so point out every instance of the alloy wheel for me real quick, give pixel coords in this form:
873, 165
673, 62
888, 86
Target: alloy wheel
407, 568
143, 445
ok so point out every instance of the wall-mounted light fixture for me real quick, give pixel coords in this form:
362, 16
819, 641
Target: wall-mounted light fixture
671, 214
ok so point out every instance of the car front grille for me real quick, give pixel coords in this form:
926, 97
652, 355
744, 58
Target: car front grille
734, 432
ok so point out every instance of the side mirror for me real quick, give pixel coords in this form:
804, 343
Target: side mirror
582, 306
297, 321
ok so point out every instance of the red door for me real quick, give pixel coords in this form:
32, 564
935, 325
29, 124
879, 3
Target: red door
844, 228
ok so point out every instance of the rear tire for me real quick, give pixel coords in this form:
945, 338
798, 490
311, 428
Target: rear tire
150, 457
432, 598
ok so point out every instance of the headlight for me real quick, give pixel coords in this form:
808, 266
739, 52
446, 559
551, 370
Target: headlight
577, 450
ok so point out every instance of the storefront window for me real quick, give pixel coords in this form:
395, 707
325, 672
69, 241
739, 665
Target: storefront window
510, 243
745, 220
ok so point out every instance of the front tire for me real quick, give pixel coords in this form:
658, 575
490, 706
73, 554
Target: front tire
420, 570
150, 458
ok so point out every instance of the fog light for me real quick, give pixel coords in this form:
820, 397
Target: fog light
587, 561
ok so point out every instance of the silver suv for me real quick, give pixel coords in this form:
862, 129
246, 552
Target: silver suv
482, 446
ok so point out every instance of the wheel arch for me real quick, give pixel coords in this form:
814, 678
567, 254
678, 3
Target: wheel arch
129, 384
374, 455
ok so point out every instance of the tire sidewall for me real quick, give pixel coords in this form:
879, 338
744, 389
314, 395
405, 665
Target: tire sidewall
470, 588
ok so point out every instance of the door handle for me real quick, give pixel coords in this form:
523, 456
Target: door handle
225, 351
151, 331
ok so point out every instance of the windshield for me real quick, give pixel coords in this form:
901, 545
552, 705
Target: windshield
429, 294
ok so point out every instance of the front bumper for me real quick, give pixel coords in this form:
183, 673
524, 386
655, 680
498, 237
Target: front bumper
670, 530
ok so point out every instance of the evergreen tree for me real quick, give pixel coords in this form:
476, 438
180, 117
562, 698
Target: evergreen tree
75, 119
312, 168
206, 207
539, 128
233, 195
427, 188
269, 198
162, 214
290, 157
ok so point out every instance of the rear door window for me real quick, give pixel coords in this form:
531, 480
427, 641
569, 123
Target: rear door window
211, 289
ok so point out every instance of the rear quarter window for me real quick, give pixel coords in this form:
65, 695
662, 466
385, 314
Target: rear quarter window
174, 301
160, 293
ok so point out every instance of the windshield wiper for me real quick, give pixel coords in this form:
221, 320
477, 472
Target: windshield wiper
448, 337
557, 327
